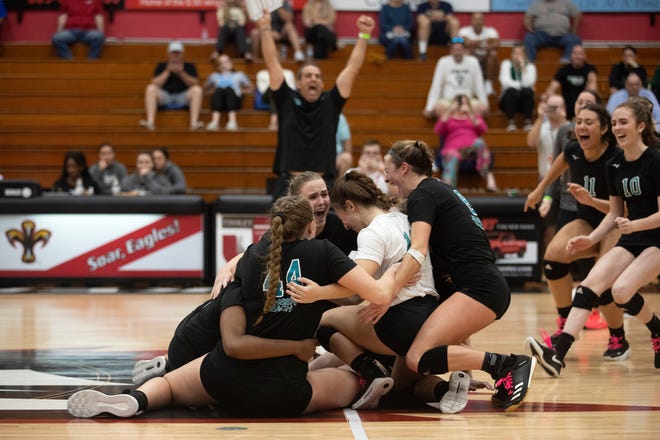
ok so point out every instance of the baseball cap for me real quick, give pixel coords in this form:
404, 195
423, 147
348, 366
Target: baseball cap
175, 46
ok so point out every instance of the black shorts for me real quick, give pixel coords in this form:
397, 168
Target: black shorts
484, 283
593, 221
399, 326
439, 35
635, 249
275, 387
197, 334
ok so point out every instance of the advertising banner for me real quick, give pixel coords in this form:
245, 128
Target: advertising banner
102, 246
235, 232
193, 5
515, 243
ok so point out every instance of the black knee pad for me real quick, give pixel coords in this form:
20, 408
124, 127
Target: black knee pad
634, 306
434, 361
585, 298
606, 298
323, 335
555, 270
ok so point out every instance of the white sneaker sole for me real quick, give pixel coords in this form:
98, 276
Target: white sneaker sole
90, 403
145, 370
455, 400
378, 388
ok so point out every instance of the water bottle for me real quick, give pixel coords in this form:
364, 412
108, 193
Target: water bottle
79, 189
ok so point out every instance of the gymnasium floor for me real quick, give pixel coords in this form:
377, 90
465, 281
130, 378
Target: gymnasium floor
53, 343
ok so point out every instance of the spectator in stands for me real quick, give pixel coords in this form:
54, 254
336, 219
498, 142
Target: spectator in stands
619, 71
265, 95
226, 87
461, 130
436, 24
634, 87
174, 85
344, 146
108, 172
283, 31
145, 181
75, 178
80, 21
395, 23
232, 18
550, 117
456, 74
308, 117
518, 80
163, 166
572, 79
552, 23
319, 17
372, 165
482, 42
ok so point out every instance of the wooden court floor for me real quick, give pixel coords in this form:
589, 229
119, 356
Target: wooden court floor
52, 344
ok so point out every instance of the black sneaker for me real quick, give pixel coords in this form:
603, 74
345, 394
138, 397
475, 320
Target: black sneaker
618, 349
498, 399
371, 391
546, 356
375, 382
90, 403
514, 382
656, 349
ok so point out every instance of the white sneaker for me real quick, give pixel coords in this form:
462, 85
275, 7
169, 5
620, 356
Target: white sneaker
231, 126
511, 127
212, 126
299, 56
455, 400
90, 403
372, 391
147, 369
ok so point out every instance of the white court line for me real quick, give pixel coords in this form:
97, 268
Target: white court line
355, 423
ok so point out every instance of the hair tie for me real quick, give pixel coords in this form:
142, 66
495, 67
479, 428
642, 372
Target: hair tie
281, 215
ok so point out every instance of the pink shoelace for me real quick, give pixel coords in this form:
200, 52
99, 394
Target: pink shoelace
656, 344
615, 342
506, 382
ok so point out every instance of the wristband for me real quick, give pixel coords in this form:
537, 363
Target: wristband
364, 36
547, 198
417, 255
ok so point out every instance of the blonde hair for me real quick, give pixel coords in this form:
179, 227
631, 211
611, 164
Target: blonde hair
290, 216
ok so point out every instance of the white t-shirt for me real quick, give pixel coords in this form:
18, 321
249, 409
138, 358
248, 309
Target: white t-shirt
385, 241
451, 78
545, 146
487, 33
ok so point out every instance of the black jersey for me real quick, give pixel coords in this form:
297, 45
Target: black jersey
457, 235
318, 260
337, 234
591, 175
638, 184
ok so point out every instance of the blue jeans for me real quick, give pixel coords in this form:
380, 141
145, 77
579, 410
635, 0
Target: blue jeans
535, 40
396, 44
93, 38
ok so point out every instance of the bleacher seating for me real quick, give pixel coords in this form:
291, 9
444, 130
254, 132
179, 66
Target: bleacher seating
49, 106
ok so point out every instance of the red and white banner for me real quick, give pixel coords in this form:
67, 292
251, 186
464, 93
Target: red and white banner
101, 246
194, 5
235, 232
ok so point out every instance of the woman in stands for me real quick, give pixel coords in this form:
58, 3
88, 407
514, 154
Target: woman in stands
259, 368
633, 179
461, 132
586, 158
75, 178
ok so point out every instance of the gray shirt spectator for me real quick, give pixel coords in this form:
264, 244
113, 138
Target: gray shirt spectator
164, 167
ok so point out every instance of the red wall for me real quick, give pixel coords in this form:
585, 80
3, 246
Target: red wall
38, 26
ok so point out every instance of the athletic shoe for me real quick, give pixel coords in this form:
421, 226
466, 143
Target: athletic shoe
371, 392
514, 383
618, 349
90, 403
145, 370
511, 127
546, 356
455, 399
498, 399
148, 125
595, 321
656, 348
